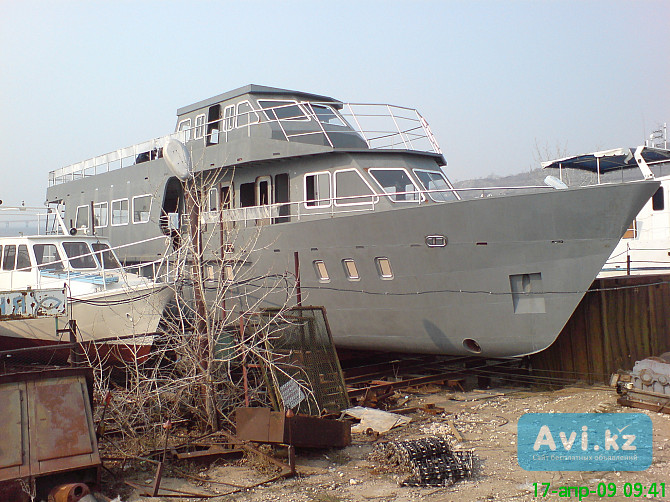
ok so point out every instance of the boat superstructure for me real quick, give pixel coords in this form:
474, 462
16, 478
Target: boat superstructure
645, 247
109, 303
353, 198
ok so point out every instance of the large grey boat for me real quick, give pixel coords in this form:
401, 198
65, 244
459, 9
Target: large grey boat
364, 210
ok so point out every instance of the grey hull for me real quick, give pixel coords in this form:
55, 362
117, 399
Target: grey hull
441, 296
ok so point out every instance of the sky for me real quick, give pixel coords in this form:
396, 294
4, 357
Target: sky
501, 83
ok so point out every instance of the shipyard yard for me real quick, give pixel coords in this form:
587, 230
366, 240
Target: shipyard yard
482, 420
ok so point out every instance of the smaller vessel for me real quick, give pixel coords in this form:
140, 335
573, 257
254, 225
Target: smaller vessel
645, 247
113, 307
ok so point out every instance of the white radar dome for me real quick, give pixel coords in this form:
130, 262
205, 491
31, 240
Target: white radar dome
178, 159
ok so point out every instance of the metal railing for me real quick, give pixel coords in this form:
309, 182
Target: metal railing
379, 126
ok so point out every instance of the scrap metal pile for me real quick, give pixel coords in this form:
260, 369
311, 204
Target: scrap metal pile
429, 461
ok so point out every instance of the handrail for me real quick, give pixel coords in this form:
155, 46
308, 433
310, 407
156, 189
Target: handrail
381, 126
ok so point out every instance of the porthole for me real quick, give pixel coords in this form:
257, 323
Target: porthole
472, 346
436, 241
350, 269
384, 267
321, 271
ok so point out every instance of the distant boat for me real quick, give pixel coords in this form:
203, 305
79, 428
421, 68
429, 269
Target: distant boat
109, 304
354, 196
645, 246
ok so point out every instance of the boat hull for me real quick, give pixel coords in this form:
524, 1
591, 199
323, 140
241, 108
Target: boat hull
512, 271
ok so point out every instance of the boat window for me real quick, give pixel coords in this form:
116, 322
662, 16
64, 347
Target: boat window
384, 267
247, 194
47, 257
185, 128
100, 214
213, 125
317, 189
79, 255
246, 114
397, 184
23, 258
141, 208
229, 117
435, 180
105, 255
351, 189
657, 200
81, 218
327, 115
9, 257
212, 200
120, 212
226, 197
228, 272
350, 269
199, 126
282, 110
282, 198
321, 271
263, 190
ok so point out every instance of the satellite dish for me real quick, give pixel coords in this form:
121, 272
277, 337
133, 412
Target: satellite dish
178, 159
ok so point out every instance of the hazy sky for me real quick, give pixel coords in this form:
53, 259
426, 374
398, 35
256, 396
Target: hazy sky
493, 78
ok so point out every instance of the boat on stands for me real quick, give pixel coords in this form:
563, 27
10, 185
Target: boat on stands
645, 246
353, 200
50, 278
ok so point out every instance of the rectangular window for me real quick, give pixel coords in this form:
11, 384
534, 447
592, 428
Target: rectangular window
79, 255
283, 110
384, 267
120, 212
226, 197
397, 183
351, 189
213, 200
200, 126
9, 257
437, 183
263, 190
246, 114
105, 255
321, 271
185, 129
47, 257
213, 124
247, 194
229, 117
657, 200
317, 189
228, 273
327, 115
23, 258
100, 214
350, 269
141, 208
81, 219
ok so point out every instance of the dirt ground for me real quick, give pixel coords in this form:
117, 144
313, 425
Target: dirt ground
486, 422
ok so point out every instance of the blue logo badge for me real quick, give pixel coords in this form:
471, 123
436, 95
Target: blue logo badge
584, 441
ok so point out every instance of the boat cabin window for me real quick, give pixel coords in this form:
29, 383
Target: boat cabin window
246, 114
199, 126
184, 127
226, 197
350, 269
120, 212
317, 189
321, 271
657, 200
47, 257
141, 208
81, 218
229, 118
9, 257
263, 190
213, 124
247, 194
397, 184
100, 214
384, 267
23, 258
282, 197
283, 110
327, 115
212, 200
351, 189
79, 255
435, 180
105, 255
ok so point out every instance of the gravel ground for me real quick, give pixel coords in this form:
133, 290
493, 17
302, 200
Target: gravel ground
485, 422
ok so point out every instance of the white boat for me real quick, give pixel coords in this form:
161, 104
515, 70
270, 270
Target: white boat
111, 305
645, 247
